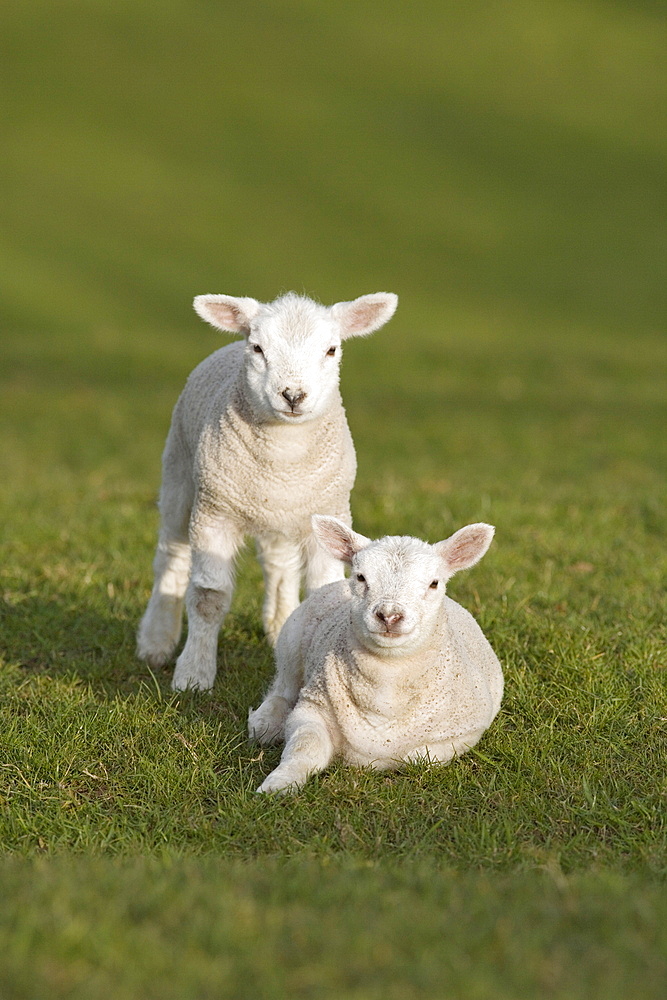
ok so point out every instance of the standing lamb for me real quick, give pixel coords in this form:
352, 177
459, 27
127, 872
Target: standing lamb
383, 667
258, 442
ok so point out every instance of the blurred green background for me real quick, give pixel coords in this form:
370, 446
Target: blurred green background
499, 156
495, 163
499, 165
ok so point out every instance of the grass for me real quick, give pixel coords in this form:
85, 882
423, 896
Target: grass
172, 937
499, 166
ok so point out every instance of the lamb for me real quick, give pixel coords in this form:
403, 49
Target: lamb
382, 668
258, 442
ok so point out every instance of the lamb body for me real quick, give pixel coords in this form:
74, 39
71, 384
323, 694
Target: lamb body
383, 668
258, 441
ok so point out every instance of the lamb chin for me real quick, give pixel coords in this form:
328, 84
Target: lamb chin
389, 640
293, 418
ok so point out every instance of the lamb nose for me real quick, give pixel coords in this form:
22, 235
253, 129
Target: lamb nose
293, 398
389, 619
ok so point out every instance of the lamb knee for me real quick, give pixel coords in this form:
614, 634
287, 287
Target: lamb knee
210, 604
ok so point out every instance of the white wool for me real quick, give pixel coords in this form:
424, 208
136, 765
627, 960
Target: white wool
258, 442
384, 667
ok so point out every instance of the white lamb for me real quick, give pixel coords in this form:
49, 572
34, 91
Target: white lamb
258, 442
384, 667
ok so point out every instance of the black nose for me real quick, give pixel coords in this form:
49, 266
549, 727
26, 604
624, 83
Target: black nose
293, 398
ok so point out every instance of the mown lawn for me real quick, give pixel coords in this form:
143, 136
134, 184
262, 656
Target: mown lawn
500, 167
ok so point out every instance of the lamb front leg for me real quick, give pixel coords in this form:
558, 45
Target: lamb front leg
308, 749
160, 628
209, 595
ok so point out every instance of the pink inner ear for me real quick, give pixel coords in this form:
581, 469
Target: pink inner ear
227, 315
362, 316
335, 541
466, 547
338, 539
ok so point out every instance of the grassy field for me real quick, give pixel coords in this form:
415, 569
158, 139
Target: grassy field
500, 166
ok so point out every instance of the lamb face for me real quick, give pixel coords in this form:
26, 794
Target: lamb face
293, 350
397, 585
398, 582
292, 361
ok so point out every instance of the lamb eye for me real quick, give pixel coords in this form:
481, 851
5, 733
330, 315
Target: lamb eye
257, 349
434, 585
331, 352
361, 578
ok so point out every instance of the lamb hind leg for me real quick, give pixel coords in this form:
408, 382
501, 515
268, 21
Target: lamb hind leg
266, 723
208, 598
282, 564
160, 627
443, 753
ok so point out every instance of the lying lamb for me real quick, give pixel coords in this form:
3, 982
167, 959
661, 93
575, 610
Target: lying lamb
258, 442
383, 667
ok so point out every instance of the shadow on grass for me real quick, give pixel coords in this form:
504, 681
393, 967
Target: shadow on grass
67, 636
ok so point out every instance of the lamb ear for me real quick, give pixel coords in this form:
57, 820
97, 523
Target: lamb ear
225, 312
466, 546
337, 538
365, 314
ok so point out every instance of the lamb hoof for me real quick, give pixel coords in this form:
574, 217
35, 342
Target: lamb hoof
267, 723
190, 684
159, 633
274, 784
185, 679
155, 658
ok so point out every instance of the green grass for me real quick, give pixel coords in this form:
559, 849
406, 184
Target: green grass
158, 931
499, 166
